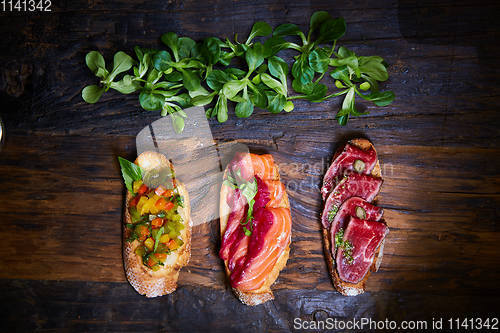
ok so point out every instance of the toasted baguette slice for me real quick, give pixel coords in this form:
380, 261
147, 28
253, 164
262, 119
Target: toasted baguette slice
264, 293
346, 288
163, 281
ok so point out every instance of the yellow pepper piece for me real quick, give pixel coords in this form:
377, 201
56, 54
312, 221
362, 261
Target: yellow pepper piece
149, 243
164, 238
152, 204
141, 203
148, 204
136, 185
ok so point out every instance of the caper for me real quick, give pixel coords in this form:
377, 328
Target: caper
361, 213
359, 166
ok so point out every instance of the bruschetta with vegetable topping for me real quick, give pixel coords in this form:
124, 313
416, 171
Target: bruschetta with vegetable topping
157, 228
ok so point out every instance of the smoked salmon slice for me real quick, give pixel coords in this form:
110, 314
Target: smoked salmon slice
251, 249
264, 167
272, 228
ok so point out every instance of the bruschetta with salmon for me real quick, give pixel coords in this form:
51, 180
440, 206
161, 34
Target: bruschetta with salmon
157, 228
255, 225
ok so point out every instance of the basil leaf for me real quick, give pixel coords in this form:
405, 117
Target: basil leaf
275, 102
192, 83
373, 67
177, 122
174, 76
344, 52
210, 50
351, 61
94, 61
244, 109
254, 56
318, 92
301, 69
235, 72
170, 39
122, 62
287, 29
302, 88
348, 103
317, 19
342, 73
220, 108
125, 85
233, 87
258, 98
201, 100
91, 94
216, 79
379, 98
260, 28
186, 45
275, 44
130, 172
319, 60
278, 68
273, 84
331, 30
162, 60
150, 101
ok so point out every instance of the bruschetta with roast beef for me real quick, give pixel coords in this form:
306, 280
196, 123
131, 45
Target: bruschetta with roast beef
157, 228
255, 225
352, 226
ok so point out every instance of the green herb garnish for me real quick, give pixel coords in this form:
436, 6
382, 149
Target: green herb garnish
157, 237
180, 200
332, 212
248, 189
130, 173
191, 73
345, 245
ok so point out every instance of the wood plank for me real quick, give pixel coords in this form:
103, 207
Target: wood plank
89, 306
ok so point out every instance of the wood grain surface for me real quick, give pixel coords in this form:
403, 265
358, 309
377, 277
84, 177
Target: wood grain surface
62, 193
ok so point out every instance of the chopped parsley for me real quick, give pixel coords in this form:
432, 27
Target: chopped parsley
347, 246
332, 212
180, 200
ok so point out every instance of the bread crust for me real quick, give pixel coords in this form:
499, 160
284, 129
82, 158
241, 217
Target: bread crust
346, 288
264, 293
163, 281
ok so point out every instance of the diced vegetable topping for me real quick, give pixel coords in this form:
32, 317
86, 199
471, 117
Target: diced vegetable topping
155, 222
137, 185
150, 243
163, 204
164, 239
142, 189
142, 232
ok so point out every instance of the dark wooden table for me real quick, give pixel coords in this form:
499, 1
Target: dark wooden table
61, 197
